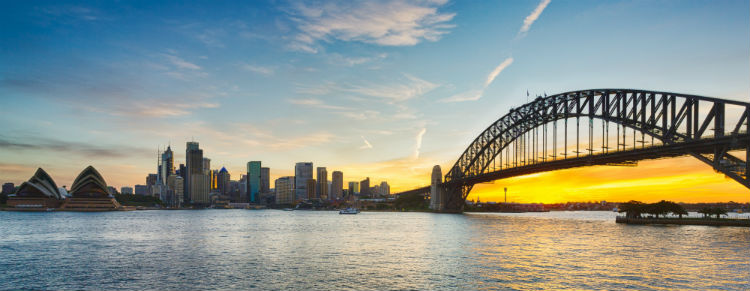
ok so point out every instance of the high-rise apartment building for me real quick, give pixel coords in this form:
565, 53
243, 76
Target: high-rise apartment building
302, 172
322, 183
253, 180
353, 188
385, 189
222, 181
175, 192
285, 191
337, 185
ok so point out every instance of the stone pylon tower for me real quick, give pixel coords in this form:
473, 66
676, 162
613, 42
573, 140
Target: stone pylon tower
437, 199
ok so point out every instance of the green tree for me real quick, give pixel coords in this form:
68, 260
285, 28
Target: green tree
677, 209
718, 211
632, 208
658, 208
706, 211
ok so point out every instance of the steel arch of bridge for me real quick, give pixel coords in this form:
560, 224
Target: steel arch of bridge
680, 122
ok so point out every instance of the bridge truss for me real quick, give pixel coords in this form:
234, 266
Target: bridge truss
604, 126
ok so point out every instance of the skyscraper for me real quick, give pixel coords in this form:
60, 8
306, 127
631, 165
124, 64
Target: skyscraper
175, 192
322, 183
166, 165
311, 189
284, 188
337, 185
265, 175
353, 188
385, 189
364, 187
198, 182
223, 181
253, 180
302, 172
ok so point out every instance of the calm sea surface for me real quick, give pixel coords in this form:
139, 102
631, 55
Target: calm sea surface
306, 250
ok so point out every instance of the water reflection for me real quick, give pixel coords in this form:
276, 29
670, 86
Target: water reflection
238, 249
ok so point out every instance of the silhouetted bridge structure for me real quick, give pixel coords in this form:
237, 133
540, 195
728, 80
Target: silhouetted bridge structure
599, 127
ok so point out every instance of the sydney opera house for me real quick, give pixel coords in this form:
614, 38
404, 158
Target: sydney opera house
88, 193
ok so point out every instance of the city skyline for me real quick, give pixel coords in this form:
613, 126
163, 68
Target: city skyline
284, 82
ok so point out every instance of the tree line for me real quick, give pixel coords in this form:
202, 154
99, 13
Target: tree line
634, 209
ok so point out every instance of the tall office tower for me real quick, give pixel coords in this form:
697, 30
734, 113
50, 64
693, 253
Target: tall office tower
151, 179
353, 188
206, 164
243, 188
253, 181
183, 173
302, 172
197, 180
364, 187
265, 175
322, 186
175, 196
213, 175
223, 181
284, 188
166, 165
385, 189
337, 185
311, 189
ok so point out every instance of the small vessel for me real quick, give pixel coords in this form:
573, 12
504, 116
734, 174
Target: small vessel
615, 209
349, 210
288, 209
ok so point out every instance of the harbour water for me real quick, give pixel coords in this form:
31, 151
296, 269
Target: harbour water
314, 250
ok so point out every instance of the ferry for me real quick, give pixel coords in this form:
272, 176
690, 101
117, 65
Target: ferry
349, 210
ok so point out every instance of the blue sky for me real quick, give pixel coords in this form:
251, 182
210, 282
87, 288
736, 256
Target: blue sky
373, 88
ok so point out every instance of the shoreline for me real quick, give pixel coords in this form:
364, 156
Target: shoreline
685, 221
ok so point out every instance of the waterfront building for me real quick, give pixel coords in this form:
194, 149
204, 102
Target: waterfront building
311, 189
176, 191
166, 165
364, 187
265, 176
337, 185
353, 188
151, 180
126, 190
436, 192
40, 191
141, 190
198, 182
285, 191
223, 179
8, 188
302, 172
321, 191
89, 193
253, 181
384, 189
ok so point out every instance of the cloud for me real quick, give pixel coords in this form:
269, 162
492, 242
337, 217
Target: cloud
258, 69
180, 63
396, 92
68, 13
491, 77
312, 102
387, 23
79, 148
529, 20
475, 95
338, 59
418, 144
367, 143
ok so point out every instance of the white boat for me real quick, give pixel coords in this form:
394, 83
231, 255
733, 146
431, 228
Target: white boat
288, 209
349, 210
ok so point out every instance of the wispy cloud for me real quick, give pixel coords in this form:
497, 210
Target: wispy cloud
83, 149
406, 89
491, 77
258, 69
367, 144
388, 23
312, 102
475, 95
529, 20
71, 12
418, 143
338, 59
180, 63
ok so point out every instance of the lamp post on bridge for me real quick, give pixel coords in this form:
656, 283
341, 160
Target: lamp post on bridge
506, 195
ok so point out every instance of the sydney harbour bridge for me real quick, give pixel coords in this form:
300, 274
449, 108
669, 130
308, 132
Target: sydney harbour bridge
598, 127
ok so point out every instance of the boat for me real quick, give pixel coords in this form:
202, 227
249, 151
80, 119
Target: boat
349, 210
288, 209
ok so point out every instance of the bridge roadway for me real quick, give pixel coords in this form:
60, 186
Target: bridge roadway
706, 145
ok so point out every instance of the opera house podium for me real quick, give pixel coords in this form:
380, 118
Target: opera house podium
40, 192
89, 193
